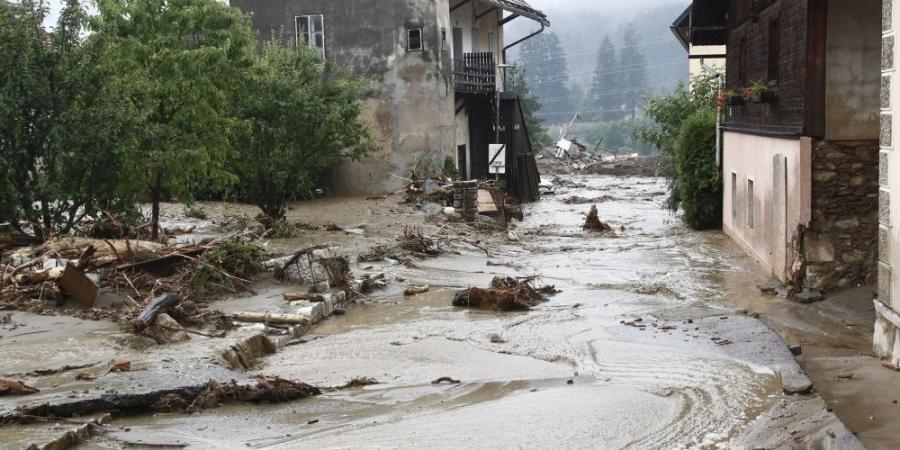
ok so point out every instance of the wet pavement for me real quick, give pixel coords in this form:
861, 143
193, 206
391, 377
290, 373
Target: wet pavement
638, 350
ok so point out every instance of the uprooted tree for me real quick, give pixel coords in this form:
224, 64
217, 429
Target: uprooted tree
299, 116
175, 62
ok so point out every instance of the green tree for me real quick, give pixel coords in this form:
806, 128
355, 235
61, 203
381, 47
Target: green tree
300, 115
667, 114
632, 72
604, 97
517, 83
50, 118
547, 74
699, 182
175, 63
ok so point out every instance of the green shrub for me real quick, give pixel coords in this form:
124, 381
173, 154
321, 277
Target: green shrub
450, 168
699, 182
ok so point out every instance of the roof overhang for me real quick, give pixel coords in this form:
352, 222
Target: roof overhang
704, 22
521, 8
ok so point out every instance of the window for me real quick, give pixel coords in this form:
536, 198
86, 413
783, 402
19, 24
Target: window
414, 39
750, 203
443, 39
774, 48
734, 198
742, 61
492, 43
310, 31
476, 45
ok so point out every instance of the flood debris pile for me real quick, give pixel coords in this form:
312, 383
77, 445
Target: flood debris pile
504, 294
66, 275
595, 164
184, 399
412, 242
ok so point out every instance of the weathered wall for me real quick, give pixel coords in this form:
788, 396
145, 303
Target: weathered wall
780, 205
842, 241
887, 304
410, 101
853, 56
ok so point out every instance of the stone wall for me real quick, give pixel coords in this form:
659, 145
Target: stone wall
887, 336
841, 245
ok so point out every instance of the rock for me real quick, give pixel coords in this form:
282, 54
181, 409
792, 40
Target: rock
511, 236
133, 341
809, 296
797, 388
166, 330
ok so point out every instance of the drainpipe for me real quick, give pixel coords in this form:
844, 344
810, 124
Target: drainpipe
515, 44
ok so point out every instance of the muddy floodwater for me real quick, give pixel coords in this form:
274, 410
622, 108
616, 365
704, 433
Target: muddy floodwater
636, 351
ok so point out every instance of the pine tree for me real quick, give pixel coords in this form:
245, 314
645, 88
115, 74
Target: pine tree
632, 72
540, 139
547, 74
605, 85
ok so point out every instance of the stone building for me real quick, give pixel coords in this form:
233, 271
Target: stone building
435, 81
887, 303
800, 147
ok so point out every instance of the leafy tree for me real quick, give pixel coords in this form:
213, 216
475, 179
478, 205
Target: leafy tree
632, 72
667, 114
175, 62
517, 83
699, 182
605, 97
300, 115
548, 76
52, 119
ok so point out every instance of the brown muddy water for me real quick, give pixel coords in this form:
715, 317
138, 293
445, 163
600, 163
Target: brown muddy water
688, 372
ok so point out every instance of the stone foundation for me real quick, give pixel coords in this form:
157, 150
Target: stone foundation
841, 244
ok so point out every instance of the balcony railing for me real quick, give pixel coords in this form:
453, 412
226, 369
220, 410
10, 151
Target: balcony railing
475, 73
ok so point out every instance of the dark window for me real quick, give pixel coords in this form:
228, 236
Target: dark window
310, 31
750, 203
414, 39
742, 61
774, 48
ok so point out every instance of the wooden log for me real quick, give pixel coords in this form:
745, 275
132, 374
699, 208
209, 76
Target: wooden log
156, 306
267, 317
40, 276
292, 296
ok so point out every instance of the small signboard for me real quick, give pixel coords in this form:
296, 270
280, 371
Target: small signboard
497, 158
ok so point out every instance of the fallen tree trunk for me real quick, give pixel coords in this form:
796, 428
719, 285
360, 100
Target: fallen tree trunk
156, 306
267, 317
186, 398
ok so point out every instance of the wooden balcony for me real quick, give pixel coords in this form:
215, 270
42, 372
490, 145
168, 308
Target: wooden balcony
475, 73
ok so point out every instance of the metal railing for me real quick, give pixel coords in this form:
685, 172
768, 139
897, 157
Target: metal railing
475, 73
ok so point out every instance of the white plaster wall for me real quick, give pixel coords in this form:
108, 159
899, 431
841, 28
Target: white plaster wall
893, 180
695, 65
751, 157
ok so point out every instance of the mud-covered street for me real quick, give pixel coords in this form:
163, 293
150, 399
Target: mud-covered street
637, 350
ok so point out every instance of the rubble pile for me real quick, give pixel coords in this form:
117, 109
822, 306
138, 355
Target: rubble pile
135, 273
412, 242
504, 294
593, 163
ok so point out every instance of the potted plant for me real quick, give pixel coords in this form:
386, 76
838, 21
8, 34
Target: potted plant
759, 92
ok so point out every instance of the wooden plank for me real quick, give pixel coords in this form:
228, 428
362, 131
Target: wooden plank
486, 203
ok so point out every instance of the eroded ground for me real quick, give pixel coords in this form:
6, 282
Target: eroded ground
637, 351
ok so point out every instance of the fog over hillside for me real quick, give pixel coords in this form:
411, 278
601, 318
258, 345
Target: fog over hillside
582, 24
